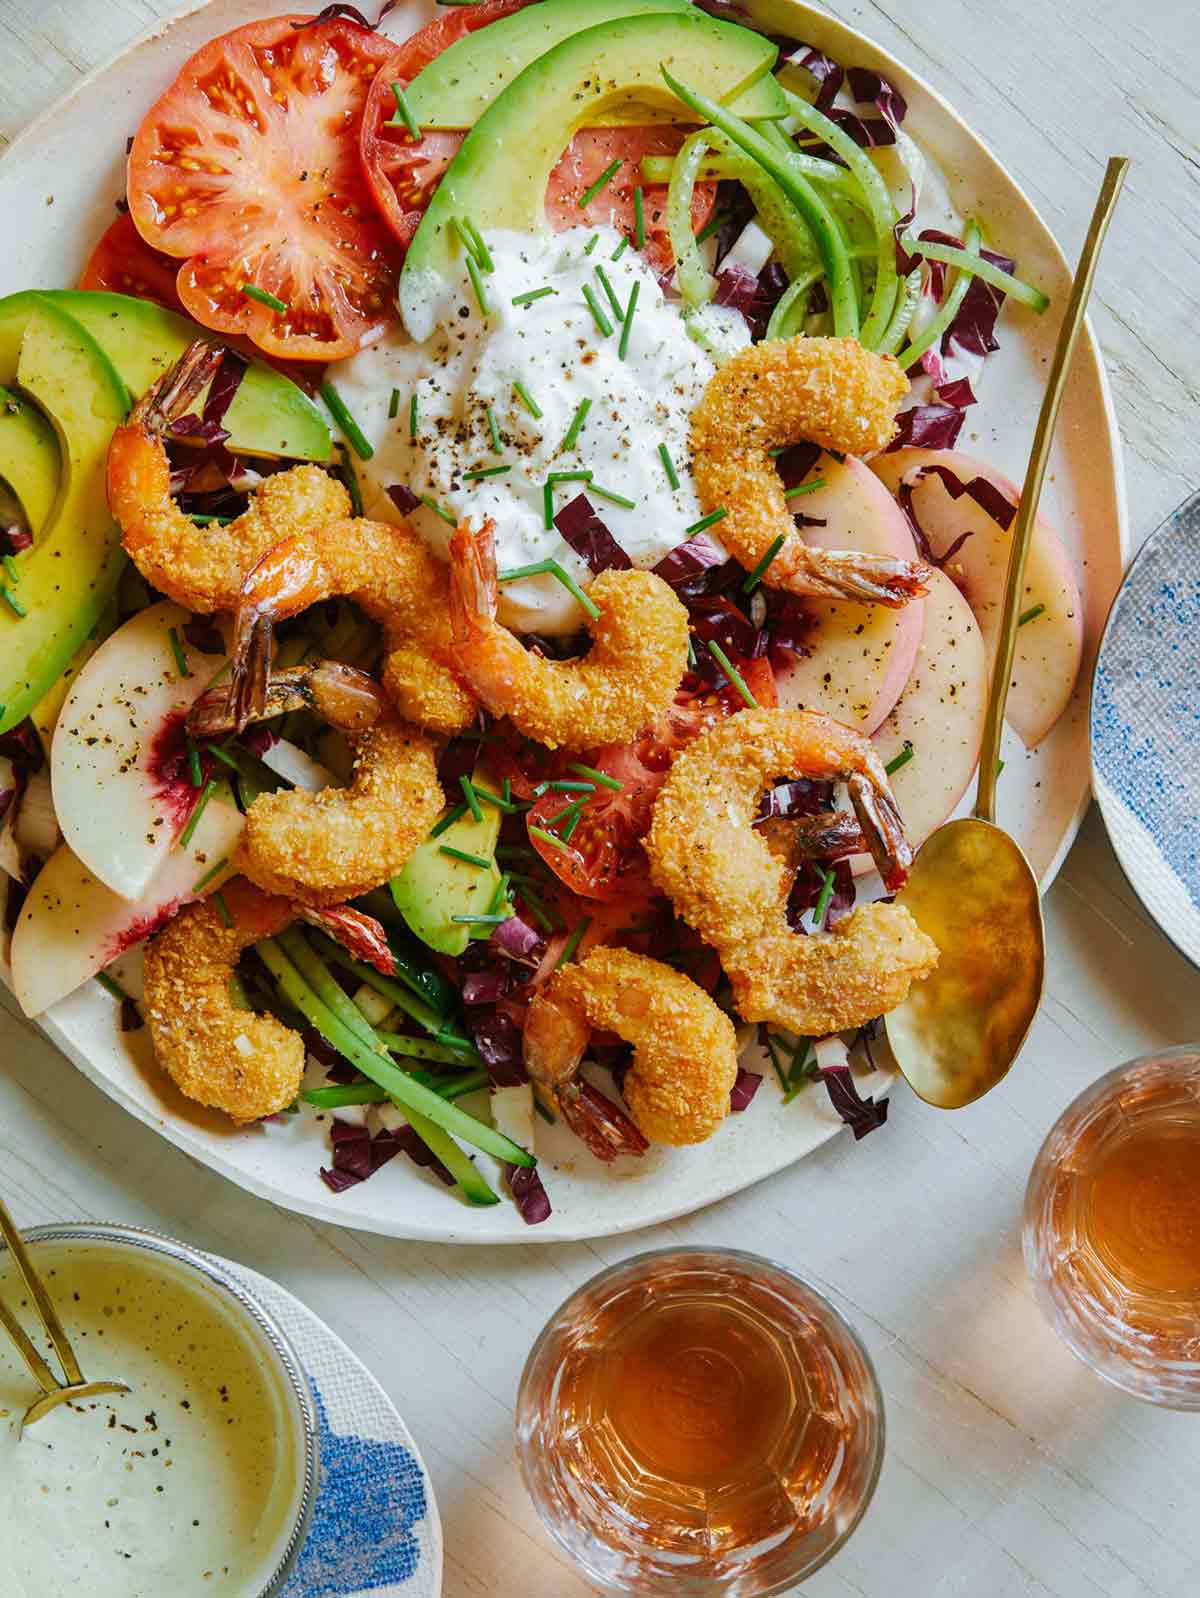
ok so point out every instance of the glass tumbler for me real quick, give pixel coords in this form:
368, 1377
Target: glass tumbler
1112, 1227
699, 1422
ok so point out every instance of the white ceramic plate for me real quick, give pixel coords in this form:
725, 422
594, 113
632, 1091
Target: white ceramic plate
57, 187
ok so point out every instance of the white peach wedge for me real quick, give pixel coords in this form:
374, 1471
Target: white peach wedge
1050, 642
861, 655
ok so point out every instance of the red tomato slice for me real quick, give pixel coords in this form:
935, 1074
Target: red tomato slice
247, 171
123, 263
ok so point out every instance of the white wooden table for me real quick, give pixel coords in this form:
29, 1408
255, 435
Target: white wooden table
1009, 1469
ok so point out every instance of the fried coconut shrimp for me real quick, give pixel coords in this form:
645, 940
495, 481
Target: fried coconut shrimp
626, 680
684, 1050
202, 568
829, 391
244, 1064
725, 881
391, 576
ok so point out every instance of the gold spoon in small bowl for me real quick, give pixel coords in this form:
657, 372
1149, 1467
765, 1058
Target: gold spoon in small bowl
971, 887
54, 1392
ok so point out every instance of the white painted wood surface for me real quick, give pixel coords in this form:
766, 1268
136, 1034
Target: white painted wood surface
1010, 1471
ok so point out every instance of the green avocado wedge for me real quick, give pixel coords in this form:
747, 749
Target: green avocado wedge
498, 178
270, 415
70, 572
435, 885
458, 86
28, 457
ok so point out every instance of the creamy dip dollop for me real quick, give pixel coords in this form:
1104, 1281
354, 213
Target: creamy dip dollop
466, 365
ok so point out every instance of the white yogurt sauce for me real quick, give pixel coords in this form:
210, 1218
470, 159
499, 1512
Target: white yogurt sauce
187, 1485
553, 347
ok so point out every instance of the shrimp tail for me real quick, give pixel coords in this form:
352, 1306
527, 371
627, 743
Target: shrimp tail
474, 585
341, 695
883, 829
253, 653
829, 835
361, 934
849, 574
168, 398
598, 1122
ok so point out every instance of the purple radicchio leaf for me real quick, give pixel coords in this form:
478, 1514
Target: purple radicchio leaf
825, 71
869, 88
14, 538
204, 636
801, 797
746, 1085
386, 1145
754, 295
698, 554
985, 494
498, 1039
934, 426
223, 389
197, 430
735, 208
796, 462
716, 619
806, 890
347, 13
23, 747
958, 393
587, 535
484, 987
530, 1197
516, 939
402, 498
973, 330
860, 1115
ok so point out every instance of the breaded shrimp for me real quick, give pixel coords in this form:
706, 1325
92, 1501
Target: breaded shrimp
233, 1060
202, 568
724, 880
684, 1047
389, 573
626, 681
830, 391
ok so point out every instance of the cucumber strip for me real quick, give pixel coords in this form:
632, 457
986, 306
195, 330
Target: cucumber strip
792, 238
425, 982
787, 319
416, 1009
659, 168
461, 1167
695, 282
398, 1084
879, 203
948, 309
799, 191
320, 979
1024, 293
425, 1049
906, 308
338, 1096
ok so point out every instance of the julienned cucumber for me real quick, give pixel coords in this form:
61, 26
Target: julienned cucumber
397, 1083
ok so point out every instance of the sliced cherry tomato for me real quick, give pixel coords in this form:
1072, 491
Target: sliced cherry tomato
123, 263
247, 171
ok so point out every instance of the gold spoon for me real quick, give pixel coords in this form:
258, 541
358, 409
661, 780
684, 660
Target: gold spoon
54, 1392
971, 888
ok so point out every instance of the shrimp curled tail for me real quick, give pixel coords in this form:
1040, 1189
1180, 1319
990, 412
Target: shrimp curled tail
201, 568
724, 879
830, 391
624, 683
684, 1046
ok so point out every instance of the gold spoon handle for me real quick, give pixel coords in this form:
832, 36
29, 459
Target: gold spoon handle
43, 1302
1031, 493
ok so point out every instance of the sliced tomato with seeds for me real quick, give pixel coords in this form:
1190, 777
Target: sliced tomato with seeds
123, 263
246, 171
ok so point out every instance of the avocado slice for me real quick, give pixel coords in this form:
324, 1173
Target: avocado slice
73, 567
28, 457
457, 87
270, 414
498, 178
435, 886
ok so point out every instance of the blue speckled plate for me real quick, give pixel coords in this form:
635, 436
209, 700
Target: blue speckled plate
1145, 726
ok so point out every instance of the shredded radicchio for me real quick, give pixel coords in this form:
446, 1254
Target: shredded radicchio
587, 535
688, 560
357, 1155
402, 498
746, 1085
934, 426
528, 1194
984, 493
349, 13
755, 296
807, 888
516, 939
204, 636
801, 797
860, 1115
734, 208
498, 1039
14, 538
974, 328
484, 987
223, 389
23, 747
824, 69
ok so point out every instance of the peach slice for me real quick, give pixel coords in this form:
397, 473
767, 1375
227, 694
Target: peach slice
861, 655
1050, 643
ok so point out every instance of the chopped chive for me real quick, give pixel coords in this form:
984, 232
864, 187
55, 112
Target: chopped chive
731, 671
494, 430
404, 114
577, 935
194, 771
602, 182
591, 244
548, 837
271, 301
551, 568
571, 810
627, 324
12, 569
479, 472
548, 505
804, 488
448, 820
464, 782
193, 821
346, 475
14, 604
111, 985
223, 756
639, 218
581, 476
710, 520
346, 422
491, 920
495, 799
609, 494
467, 859
213, 871
537, 908
222, 908
506, 791
1031, 614
474, 243
603, 325
209, 521
533, 294
756, 576
542, 787
692, 661
575, 818
717, 220
610, 292
821, 908
481, 295
571, 436
181, 665
438, 510
620, 249
394, 405
564, 785
412, 417
902, 759
527, 399
601, 777
664, 455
